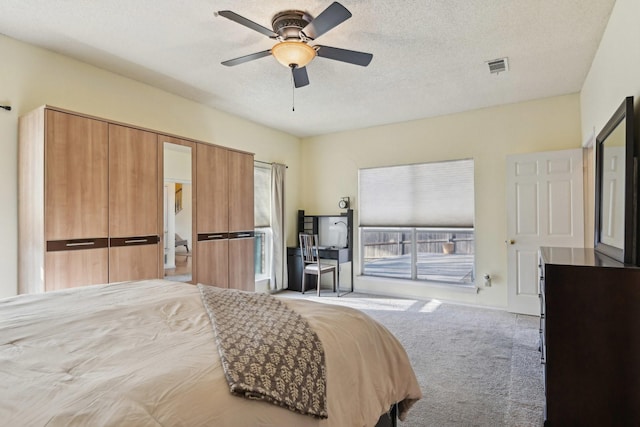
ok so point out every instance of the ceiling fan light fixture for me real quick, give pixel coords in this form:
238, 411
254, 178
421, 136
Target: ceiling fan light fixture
296, 53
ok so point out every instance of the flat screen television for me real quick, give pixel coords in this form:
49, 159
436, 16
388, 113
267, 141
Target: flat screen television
616, 187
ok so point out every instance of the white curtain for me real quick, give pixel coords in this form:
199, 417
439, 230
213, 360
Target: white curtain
278, 260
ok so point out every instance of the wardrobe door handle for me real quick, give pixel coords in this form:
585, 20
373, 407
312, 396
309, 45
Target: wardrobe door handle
77, 244
241, 235
135, 241
204, 237
71, 245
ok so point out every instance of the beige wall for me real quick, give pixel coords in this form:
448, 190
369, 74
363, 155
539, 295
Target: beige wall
487, 136
31, 77
331, 164
614, 75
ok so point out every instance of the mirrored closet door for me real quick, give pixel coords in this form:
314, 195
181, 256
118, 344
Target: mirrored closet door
178, 209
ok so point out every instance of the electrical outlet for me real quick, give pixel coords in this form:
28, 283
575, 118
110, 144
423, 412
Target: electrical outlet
487, 281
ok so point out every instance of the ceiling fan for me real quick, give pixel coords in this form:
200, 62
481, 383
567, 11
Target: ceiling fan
294, 29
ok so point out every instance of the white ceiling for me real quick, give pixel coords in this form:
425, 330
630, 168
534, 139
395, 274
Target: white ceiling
429, 56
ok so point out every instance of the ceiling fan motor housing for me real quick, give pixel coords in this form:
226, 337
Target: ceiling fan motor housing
289, 24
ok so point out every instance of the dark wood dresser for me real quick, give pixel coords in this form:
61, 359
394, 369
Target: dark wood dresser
590, 338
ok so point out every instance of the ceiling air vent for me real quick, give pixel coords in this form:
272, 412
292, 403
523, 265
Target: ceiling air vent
497, 66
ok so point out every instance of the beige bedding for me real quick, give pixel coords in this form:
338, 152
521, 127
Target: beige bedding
143, 354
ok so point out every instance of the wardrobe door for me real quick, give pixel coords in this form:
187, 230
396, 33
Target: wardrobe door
178, 208
71, 268
76, 180
134, 194
241, 264
240, 191
132, 261
241, 222
212, 194
212, 216
213, 261
76, 201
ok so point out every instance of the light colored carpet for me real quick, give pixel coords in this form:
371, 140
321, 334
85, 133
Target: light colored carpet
476, 367
179, 277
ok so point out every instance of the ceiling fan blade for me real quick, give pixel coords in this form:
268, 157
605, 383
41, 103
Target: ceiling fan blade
331, 17
246, 58
344, 55
247, 23
300, 76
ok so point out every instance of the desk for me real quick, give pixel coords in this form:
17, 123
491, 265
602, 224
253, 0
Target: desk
294, 266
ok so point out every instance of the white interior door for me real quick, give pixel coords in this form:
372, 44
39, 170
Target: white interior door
544, 208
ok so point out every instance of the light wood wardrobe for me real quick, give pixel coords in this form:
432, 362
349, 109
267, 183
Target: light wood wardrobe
90, 204
224, 219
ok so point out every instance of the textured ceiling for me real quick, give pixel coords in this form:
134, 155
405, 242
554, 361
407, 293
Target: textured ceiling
429, 56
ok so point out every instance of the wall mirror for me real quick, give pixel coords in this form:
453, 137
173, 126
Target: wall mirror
616, 187
178, 212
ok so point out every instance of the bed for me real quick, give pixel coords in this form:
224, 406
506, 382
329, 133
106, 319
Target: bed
144, 354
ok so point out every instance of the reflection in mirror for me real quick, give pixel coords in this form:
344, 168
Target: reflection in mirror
177, 213
616, 187
613, 176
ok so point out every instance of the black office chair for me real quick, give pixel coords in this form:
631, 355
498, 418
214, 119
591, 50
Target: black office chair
311, 261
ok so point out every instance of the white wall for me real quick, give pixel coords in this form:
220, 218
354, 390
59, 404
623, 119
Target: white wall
615, 71
614, 75
31, 77
177, 163
486, 135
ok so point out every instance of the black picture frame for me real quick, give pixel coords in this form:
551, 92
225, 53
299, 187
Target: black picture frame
625, 251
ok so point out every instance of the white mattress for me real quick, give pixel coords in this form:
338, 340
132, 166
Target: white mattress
143, 354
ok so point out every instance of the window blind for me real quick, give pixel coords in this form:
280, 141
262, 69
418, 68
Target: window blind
439, 194
262, 195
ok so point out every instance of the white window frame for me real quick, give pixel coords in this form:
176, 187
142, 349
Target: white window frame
268, 235
267, 232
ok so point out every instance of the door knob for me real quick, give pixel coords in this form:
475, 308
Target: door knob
510, 242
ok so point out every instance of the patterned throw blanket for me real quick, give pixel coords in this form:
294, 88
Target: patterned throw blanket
268, 351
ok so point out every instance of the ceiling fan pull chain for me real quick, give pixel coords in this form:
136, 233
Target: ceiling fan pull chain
293, 92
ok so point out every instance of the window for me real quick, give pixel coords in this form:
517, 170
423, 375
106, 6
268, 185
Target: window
416, 222
262, 215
